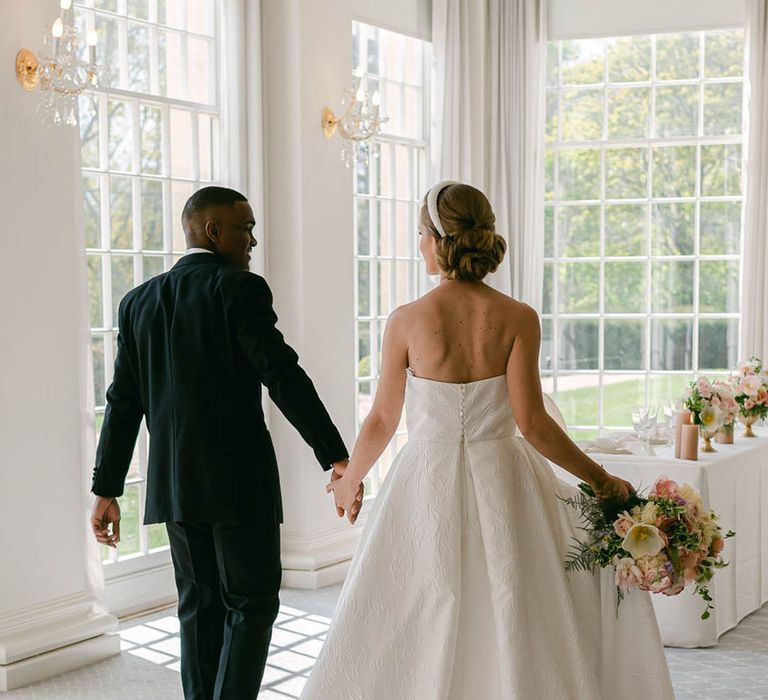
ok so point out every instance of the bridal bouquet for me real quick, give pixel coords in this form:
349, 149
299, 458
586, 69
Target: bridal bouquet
659, 543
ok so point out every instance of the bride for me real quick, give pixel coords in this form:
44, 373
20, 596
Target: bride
458, 590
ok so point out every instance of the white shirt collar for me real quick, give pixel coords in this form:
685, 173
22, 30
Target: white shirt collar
190, 251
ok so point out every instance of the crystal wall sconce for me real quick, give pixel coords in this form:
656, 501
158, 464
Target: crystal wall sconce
359, 122
60, 73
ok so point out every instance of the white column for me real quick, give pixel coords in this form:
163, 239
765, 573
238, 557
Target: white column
51, 616
307, 63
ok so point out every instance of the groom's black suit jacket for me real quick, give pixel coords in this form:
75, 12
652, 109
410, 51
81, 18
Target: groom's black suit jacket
195, 345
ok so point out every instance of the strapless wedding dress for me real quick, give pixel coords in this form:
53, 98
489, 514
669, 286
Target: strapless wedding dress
457, 590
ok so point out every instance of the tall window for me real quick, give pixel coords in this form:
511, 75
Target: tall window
643, 219
147, 143
387, 197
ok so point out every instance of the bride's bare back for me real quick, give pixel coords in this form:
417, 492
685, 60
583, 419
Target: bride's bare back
460, 332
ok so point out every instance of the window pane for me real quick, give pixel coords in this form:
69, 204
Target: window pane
666, 387
719, 286
180, 193
724, 54
364, 334
138, 57
672, 286
172, 69
583, 61
677, 110
582, 115
158, 536
620, 394
578, 344
720, 228
674, 171
99, 383
384, 295
629, 59
129, 520
95, 294
152, 214
549, 175
671, 344
625, 229
384, 246
363, 288
673, 229
624, 344
122, 281
578, 287
722, 109
625, 287
403, 229
120, 136
88, 117
199, 57
677, 56
552, 64
579, 231
546, 306
363, 226
718, 344
137, 8
721, 170
629, 113
546, 351
205, 137
549, 232
576, 397
106, 41
151, 139
121, 212
153, 266
626, 173
550, 128
92, 211
181, 143
580, 174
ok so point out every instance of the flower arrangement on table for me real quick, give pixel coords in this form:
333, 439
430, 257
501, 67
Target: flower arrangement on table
659, 543
703, 400
750, 388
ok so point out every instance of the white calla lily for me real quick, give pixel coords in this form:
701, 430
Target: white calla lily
643, 541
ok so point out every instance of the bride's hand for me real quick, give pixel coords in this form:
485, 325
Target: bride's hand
348, 497
611, 486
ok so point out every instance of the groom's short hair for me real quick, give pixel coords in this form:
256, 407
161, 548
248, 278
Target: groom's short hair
210, 197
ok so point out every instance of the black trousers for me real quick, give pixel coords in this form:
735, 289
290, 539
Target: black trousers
228, 578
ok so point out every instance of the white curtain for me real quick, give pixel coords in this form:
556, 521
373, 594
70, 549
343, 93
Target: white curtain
490, 58
754, 324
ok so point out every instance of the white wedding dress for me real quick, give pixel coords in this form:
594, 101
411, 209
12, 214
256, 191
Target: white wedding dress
458, 591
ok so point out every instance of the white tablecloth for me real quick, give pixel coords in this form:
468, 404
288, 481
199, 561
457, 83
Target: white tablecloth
734, 483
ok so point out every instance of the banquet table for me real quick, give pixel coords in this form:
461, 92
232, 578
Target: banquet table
734, 483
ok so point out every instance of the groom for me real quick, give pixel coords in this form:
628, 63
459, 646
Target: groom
194, 347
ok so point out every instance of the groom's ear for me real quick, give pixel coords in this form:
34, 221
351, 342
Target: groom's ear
212, 230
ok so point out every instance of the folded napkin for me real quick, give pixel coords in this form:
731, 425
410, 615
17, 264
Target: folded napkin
616, 444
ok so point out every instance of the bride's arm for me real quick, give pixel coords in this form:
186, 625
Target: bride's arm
382, 421
536, 425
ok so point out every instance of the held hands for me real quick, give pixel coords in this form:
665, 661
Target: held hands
348, 496
106, 511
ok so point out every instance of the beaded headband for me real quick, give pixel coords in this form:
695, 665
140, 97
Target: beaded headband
432, 196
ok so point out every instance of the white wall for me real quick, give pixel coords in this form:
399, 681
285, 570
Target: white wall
43, 479
568, 19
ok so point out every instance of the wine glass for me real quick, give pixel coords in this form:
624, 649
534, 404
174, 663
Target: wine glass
644, 422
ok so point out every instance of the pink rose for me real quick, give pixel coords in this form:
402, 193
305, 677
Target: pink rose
717, 545
749, 404
623, 524
628, 575
664, 487
750, 385
704, 388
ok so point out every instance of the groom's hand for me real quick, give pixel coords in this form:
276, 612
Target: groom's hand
106, 511
336, 473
